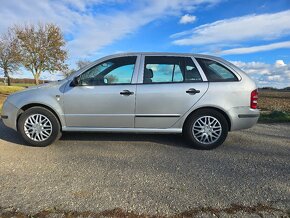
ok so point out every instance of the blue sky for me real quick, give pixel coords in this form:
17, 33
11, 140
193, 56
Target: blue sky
254, 35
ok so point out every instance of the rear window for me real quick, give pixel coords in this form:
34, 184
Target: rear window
216, 72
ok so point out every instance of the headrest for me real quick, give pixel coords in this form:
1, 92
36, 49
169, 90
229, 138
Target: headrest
148, 73
190, 74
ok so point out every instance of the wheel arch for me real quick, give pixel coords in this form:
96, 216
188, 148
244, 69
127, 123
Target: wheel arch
30, 105
209, 108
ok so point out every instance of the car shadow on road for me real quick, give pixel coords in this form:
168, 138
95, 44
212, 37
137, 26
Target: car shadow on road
166, 139
12, 136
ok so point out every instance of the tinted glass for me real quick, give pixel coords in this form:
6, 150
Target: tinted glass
215, 71
160, 69
191, 72
114, 71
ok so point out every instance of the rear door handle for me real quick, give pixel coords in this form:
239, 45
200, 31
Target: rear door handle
126, 92
192, 91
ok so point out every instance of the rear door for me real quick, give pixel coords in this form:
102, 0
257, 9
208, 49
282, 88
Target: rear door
169, 86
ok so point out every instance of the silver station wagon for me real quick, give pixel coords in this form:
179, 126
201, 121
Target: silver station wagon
203, 97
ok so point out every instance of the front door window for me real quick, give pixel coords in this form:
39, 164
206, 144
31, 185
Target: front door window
114, 71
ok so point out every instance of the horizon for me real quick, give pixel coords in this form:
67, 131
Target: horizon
253, 36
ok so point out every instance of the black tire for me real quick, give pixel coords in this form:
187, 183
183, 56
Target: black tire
55, 132
189, 134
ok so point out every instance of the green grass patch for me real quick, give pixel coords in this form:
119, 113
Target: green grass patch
2, 99
6, 90
23, 84
19, 84
275, 116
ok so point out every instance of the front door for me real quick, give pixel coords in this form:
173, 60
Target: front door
104, 96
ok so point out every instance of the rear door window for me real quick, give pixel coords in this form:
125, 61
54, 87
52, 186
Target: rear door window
216, 72
168, 69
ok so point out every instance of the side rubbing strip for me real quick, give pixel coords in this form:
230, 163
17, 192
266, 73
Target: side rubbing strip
248, 115
155, 115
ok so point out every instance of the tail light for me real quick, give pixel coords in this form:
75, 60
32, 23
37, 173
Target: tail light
254, 99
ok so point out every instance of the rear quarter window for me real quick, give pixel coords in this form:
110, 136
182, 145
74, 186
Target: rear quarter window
216, 72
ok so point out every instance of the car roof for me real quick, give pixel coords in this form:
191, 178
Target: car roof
166, 54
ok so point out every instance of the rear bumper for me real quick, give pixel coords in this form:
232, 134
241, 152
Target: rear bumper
243, 117
9, 115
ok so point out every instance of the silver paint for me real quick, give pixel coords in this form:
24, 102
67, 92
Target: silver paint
152, 107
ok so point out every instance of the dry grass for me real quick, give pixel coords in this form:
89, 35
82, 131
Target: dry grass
19, 84
234, 210
274, 101
2, 99
6, 90
275, 106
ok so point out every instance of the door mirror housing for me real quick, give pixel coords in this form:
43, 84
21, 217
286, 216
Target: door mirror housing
75, 81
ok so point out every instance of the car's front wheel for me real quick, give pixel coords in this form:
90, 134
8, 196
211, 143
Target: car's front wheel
206, 129
39, 126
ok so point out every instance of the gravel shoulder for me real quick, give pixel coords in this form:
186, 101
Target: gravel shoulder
132, 175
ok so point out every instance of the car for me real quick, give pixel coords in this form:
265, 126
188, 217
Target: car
200, 96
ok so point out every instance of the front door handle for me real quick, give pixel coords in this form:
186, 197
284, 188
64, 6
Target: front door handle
126, 92
192, 91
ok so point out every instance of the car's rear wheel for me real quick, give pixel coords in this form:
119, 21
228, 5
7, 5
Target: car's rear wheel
39, 126
206, 129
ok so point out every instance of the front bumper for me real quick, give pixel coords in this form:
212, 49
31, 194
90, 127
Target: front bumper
9, 114
243, 117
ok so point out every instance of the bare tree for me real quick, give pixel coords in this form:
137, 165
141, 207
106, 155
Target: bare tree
9, 54
67, 72
82, 63
41, 48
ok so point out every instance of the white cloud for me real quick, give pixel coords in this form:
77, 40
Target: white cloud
187, 18
87, 30
277, 78
276, 75
279, 63
239, 29
252, 65
253, 49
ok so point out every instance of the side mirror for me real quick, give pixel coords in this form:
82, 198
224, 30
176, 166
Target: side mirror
75, 82
106, 81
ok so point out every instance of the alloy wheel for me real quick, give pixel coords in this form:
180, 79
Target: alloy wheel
37, 127
207, 129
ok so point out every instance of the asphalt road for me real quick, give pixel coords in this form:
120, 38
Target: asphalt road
131, 175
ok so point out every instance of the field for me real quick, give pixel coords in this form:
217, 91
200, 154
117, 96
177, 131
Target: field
6, 90
2, 99
19, 84
274, 101
274, 105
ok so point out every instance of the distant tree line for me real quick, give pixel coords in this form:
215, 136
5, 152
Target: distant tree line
23, 80
274, 89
